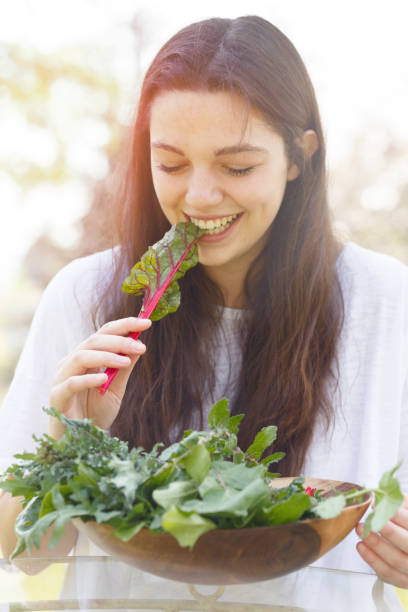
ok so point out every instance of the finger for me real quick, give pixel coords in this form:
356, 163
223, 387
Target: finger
384, 571
122, 327
393, 551
400, 519
63, 392
396, 535
113, 344
81, 361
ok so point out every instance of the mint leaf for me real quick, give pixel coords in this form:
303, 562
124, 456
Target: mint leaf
263, 439
227, 502
388, 498
219, 414
126, 533
186, 527
234, 422
197, 462
236, 476
272, 458
330, 507
287, 510
175, 493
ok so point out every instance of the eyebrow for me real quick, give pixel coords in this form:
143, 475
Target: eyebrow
241, 148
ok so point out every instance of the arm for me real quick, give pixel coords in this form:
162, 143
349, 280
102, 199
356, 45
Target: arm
74, 392
63, 319
10, 508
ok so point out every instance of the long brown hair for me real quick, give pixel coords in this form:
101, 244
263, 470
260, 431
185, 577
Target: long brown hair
294, 307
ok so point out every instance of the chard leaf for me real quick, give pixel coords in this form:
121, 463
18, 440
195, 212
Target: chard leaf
168, 303
197, 462
287, 510
186, 527
219, 414
388, 498
263, 439
155, 276
330, 507
175, 493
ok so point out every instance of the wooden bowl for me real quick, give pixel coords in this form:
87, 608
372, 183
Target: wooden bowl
234, 556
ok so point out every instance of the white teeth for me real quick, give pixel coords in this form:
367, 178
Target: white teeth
214, 226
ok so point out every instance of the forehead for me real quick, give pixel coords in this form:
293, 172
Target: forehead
215, 118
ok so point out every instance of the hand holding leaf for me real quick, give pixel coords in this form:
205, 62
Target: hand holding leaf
155, 276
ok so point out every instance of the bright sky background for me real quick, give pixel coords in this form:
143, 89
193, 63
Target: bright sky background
356, 52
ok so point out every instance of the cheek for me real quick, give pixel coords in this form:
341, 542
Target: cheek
164, 190
267, 186
267, 197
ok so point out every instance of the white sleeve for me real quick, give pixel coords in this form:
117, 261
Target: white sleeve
62, 320
402, 473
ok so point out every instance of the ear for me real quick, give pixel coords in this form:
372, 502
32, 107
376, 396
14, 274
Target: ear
310, 144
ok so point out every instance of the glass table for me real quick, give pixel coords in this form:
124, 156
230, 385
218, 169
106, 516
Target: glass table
105, 583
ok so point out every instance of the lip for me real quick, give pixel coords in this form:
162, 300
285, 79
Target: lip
221, 235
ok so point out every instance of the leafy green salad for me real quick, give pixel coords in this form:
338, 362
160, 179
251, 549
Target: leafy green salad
203, 482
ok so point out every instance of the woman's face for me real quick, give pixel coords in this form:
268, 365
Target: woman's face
221, 169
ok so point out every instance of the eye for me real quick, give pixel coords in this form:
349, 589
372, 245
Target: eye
240, 171
169, 169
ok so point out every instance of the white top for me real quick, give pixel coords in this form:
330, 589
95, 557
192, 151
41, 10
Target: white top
371, 427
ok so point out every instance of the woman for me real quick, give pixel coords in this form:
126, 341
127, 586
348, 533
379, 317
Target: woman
296, 329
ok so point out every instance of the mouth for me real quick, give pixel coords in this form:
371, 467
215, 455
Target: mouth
217, 225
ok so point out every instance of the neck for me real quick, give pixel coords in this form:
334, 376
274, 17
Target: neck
231, 284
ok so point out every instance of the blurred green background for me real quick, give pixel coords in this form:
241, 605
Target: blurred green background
69, 79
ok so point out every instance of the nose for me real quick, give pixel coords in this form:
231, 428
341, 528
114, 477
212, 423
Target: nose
202, 190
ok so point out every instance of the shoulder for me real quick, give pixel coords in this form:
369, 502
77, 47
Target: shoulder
94, 268
73, 293
83, 278
371, 274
